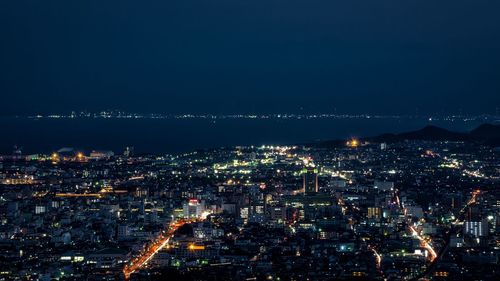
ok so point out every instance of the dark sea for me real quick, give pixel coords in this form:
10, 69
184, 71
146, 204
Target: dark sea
182, 135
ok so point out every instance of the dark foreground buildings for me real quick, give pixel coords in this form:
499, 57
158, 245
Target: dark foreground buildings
410, 210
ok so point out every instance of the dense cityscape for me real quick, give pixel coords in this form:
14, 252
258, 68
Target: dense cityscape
409, 210
236, 140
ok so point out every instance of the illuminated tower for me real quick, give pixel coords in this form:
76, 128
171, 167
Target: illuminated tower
129, 151
310, 180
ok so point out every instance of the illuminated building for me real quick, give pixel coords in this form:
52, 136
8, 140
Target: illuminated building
129, 151
374, 213
310, 180
97, 155
108, 258
72, 257
414, 211
191, 250
40, 210
193, 208
18, 181
476, 228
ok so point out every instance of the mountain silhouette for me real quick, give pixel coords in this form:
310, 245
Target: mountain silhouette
487, 134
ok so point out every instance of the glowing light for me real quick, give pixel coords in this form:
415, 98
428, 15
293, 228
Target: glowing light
194, 247
353, 143
205, 214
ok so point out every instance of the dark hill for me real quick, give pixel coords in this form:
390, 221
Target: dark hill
488, 134
429, 133
486, 131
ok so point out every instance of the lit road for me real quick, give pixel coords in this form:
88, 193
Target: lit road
424, 243
145, 256
378, 257
453, 231
471, 201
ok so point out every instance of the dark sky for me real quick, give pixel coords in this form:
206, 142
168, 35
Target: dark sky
237, 56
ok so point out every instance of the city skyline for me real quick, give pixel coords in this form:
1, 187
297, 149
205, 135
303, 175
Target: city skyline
400, 210
239, 140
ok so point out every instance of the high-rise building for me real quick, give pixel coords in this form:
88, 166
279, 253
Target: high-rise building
310, 180
476, 228
383, 185
374, 213
193, 208
129, 151
123, 232
39, 210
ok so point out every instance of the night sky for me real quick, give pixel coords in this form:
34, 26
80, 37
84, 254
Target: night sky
250, 56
